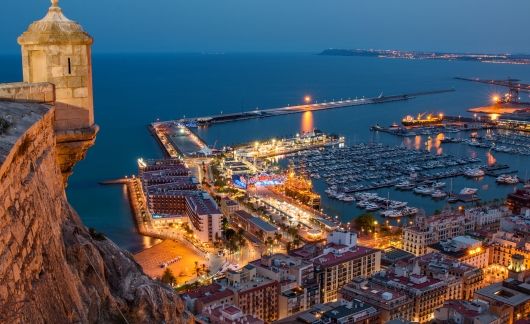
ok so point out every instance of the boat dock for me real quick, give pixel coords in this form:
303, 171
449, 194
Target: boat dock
271, 112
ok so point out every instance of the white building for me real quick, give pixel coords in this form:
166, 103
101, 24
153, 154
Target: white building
431, 230
486, 216
342, 238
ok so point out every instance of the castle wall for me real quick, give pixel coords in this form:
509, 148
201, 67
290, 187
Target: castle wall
52, 270
28, 92
72, 143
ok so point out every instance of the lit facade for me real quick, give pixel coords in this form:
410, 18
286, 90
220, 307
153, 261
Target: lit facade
173, 196
440, 266
431, 230
426, 293
255, 295
339, 264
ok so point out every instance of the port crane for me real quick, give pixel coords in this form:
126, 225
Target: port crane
514, 88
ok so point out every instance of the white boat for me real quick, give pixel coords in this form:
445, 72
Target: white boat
372, 207
473, 173
405, 185
438, 185
410, 211
392, 213
363, 203
468, 191
508, 179
438, 194
397, 204
348, 198
422, 190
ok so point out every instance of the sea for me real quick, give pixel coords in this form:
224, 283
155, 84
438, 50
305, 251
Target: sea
133, 90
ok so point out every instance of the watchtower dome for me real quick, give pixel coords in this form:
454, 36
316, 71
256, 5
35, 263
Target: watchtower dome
57, 50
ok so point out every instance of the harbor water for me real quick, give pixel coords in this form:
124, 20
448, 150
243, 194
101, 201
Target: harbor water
133, 90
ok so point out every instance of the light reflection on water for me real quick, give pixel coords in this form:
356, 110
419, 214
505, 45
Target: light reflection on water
417, 142
307, 124
490, 158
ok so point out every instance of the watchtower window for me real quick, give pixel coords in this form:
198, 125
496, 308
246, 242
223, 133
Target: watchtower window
69, 66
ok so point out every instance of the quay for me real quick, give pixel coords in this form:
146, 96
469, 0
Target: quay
271, 112
178, 140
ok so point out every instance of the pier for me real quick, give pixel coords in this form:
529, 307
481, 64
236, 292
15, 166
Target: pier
271, 112
116, 181
178, 140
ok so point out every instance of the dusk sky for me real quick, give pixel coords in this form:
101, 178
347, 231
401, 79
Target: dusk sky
284, 25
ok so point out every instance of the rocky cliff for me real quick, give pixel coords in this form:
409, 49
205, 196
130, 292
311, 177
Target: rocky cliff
52, 269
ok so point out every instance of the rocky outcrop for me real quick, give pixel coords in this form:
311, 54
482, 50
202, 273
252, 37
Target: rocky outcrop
52, 269
72, 146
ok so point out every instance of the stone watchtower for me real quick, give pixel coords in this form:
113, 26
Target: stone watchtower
58, 51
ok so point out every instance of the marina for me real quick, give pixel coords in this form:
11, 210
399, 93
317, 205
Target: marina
352, 174
485, 134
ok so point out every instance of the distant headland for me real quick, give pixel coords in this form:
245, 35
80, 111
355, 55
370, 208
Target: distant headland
420, 55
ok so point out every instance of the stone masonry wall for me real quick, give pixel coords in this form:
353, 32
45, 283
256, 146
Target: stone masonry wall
72, 143
69, 68
27, 92
52, 270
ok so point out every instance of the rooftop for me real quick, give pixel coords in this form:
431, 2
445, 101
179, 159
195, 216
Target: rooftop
55, 28
331, 258
202, 204
374, 291
511, 292
468, 309
392, 254
208, 294
352, 308
230, 202
413, 281
260, 223
307, 251
227, 314
438, 260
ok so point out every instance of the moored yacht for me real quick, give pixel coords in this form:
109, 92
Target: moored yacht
507, 179
468, 191
473, 173
438, 194
423, 190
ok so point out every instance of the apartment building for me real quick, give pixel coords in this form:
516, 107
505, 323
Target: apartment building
391, 304
339, 264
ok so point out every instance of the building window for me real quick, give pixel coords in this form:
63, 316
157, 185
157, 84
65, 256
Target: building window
69, 66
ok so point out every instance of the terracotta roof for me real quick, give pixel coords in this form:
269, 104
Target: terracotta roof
210, 293
331, 259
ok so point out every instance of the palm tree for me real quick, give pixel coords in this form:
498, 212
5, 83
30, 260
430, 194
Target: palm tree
297, 241
269, 242
168, 277
288, 246
197, 269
